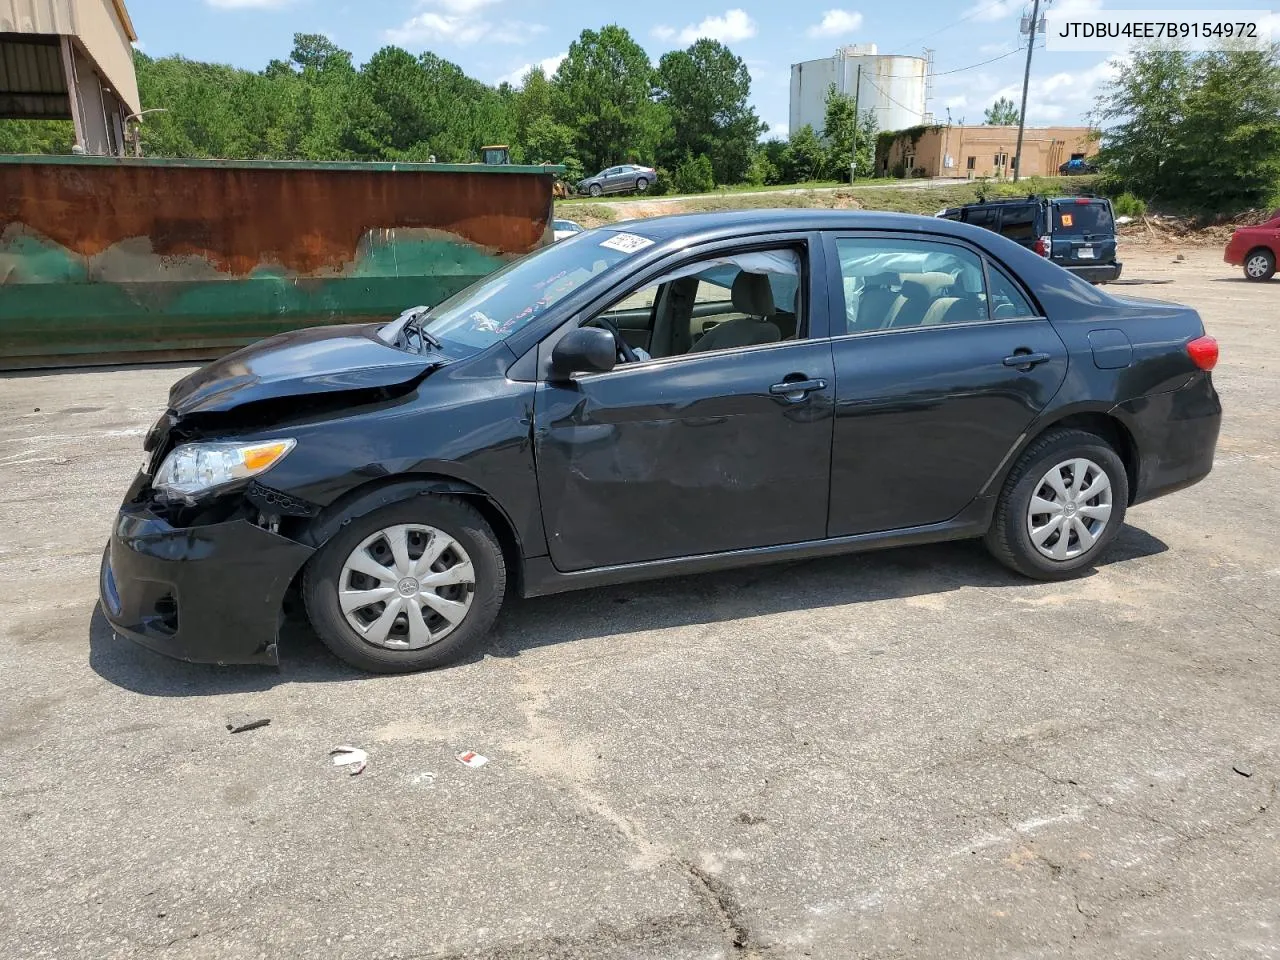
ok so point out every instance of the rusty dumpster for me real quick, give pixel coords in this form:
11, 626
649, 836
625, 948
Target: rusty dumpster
108, 260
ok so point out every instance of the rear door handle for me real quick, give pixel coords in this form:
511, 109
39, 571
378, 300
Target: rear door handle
797, 389
1025, 359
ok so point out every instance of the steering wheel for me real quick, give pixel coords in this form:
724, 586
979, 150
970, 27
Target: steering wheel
625, 353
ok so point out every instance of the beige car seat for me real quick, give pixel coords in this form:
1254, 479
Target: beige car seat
752, 295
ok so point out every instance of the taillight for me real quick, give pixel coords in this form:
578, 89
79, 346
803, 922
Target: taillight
1203, 352
1042, 246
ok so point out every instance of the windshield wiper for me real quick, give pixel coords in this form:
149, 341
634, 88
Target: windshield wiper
415, 324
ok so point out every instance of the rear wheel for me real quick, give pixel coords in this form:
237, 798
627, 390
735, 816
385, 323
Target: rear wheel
642, 184
1259, 265
408, 587
596, 190
1062, 505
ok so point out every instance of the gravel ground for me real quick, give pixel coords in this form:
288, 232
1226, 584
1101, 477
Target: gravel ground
902, 754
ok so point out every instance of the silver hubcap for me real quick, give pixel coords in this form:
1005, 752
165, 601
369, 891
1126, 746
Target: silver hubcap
406, 587
1257, 266
1069, 510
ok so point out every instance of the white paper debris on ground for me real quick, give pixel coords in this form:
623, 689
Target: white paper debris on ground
472, 759
352, 757
427, 779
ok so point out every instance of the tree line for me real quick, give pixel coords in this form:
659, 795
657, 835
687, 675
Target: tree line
1199, 131
607, 103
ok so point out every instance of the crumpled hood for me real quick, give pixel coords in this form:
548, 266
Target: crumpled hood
313, 360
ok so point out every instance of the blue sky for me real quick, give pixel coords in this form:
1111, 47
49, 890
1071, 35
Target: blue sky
498, 39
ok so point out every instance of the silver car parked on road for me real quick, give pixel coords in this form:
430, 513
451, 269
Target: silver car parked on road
620, 179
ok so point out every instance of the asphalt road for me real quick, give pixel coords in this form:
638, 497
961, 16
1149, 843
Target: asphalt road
902, 754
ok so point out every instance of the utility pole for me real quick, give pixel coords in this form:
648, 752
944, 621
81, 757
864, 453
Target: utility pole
1026, 79
853, 160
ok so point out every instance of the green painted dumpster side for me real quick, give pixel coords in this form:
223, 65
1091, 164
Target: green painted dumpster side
107, 261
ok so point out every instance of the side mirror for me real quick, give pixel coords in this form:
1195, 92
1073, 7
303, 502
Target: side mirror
584, 350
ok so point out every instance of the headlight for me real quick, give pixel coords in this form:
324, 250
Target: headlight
196, 467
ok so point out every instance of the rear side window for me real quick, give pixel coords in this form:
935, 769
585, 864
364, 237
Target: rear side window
892, 284
1007, 301
982, 217
1019, 223
1082, 218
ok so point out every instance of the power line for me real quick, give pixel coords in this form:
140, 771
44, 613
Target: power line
974, 66
969, 16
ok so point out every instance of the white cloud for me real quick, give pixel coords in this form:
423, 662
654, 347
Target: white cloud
836, 23
776, 131
549, 66
246, 4
735, 25
663, 32
955, 103
991, 10
459, 22
139, 46
994, 10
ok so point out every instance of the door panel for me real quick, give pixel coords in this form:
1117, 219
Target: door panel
924, 417
686, 456
931, 397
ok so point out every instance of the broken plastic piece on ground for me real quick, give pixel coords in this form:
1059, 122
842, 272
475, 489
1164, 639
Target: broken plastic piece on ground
472, 759
251, 725
425, 779
353, 757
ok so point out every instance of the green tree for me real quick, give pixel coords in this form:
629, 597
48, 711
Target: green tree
1003, 113
603, 90
694, 175
1228, 152
844, 130
706, 89
1146, 106
36, 136
804, 158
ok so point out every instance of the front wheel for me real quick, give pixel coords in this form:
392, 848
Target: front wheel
1260, 265
1061, 506
596, 190
410, 586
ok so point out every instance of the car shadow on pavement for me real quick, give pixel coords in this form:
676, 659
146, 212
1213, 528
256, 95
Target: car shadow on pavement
132, 667
900, 573
603, 611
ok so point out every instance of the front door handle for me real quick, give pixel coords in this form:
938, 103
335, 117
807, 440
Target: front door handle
795, 390
1025, 359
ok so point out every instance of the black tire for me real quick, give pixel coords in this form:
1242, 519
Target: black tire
454, 517
595, 190
1268, 263
1009, 539
642, 184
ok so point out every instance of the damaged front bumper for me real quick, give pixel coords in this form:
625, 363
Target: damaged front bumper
207, 594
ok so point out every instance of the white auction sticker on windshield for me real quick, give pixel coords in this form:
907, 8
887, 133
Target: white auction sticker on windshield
626, 243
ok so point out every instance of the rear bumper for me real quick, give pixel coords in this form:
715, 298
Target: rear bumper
210, 594
1101, 273
1176, 433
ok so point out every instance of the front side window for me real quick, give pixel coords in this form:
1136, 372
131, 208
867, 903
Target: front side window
722, 302
892, 284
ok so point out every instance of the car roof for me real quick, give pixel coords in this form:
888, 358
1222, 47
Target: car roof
731, 223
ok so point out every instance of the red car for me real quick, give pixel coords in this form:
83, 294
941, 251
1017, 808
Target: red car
1255, 249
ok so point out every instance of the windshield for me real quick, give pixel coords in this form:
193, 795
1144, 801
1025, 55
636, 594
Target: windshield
508, 300
1082, 218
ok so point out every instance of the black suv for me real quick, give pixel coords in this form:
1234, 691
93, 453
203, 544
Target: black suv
1078, 233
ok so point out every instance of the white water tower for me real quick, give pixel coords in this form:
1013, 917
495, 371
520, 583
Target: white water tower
895, 87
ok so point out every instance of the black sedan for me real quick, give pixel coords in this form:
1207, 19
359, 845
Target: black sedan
670, 396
